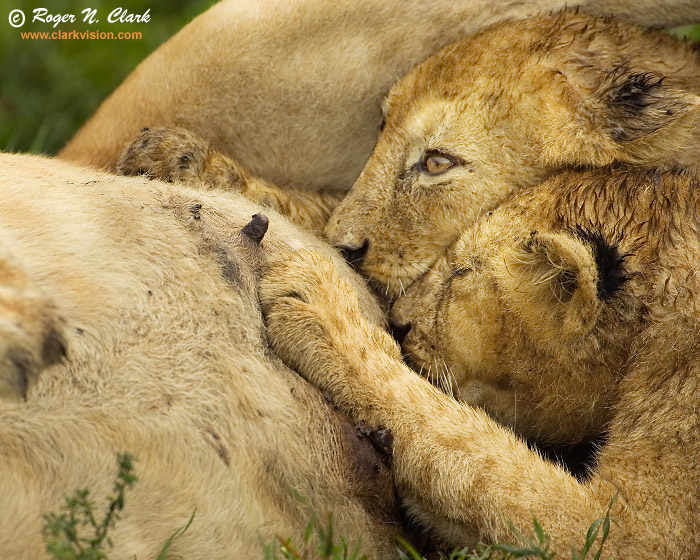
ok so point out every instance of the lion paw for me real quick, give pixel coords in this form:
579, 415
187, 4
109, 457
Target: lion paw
165, 153
309, 309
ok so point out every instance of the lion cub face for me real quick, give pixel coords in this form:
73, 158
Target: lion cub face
502, 110
533, 314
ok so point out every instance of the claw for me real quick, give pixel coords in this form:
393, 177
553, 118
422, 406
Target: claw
383, 440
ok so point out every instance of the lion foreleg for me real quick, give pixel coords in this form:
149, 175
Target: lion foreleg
175, 154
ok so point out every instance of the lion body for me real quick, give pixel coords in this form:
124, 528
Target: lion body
150, 290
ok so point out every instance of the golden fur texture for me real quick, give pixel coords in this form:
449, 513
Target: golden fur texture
292, 89
150, 292
501, 110
568, 314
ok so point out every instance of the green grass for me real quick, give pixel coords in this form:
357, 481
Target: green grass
321, 543
327, 545
535, 546
77, 533
50, 87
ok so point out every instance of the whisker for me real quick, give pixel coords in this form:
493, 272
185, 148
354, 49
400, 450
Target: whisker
439, 377
445, 382
453, 378
408, 275
454, 389
448, 380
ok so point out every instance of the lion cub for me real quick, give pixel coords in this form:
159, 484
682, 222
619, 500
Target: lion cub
570, 313
502, 110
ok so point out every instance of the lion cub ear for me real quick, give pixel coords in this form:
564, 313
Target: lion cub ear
638, 104
623, 115
551, 283
647, 120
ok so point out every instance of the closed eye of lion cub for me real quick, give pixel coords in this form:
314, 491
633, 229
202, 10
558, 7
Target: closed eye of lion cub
502, 110
568, 314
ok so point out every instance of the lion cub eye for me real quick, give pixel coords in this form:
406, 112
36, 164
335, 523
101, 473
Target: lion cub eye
436, 162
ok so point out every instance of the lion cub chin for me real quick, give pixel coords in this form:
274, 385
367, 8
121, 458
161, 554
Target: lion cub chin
504, 109
568, 314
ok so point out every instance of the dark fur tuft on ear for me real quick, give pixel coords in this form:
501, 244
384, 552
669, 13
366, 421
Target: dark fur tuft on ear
610, 263
639, 104
634, 94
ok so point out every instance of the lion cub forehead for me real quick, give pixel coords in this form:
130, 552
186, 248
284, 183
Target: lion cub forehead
645, 211
432, 119
441, 125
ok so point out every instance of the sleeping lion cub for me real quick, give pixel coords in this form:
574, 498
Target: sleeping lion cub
570, 313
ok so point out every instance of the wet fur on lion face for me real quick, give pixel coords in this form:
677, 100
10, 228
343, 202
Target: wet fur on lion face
550, 291
502, 110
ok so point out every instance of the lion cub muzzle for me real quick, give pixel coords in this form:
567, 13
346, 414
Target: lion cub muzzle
354, 255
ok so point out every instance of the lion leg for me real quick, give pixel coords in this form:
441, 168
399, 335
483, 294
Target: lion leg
175, 154
30, 331
456, 469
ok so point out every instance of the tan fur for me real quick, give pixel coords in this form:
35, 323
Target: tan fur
292, 89
544, 341
151, 291
176, 154
511, 106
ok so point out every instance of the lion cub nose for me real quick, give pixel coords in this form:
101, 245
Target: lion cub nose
399, 332
353, 254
